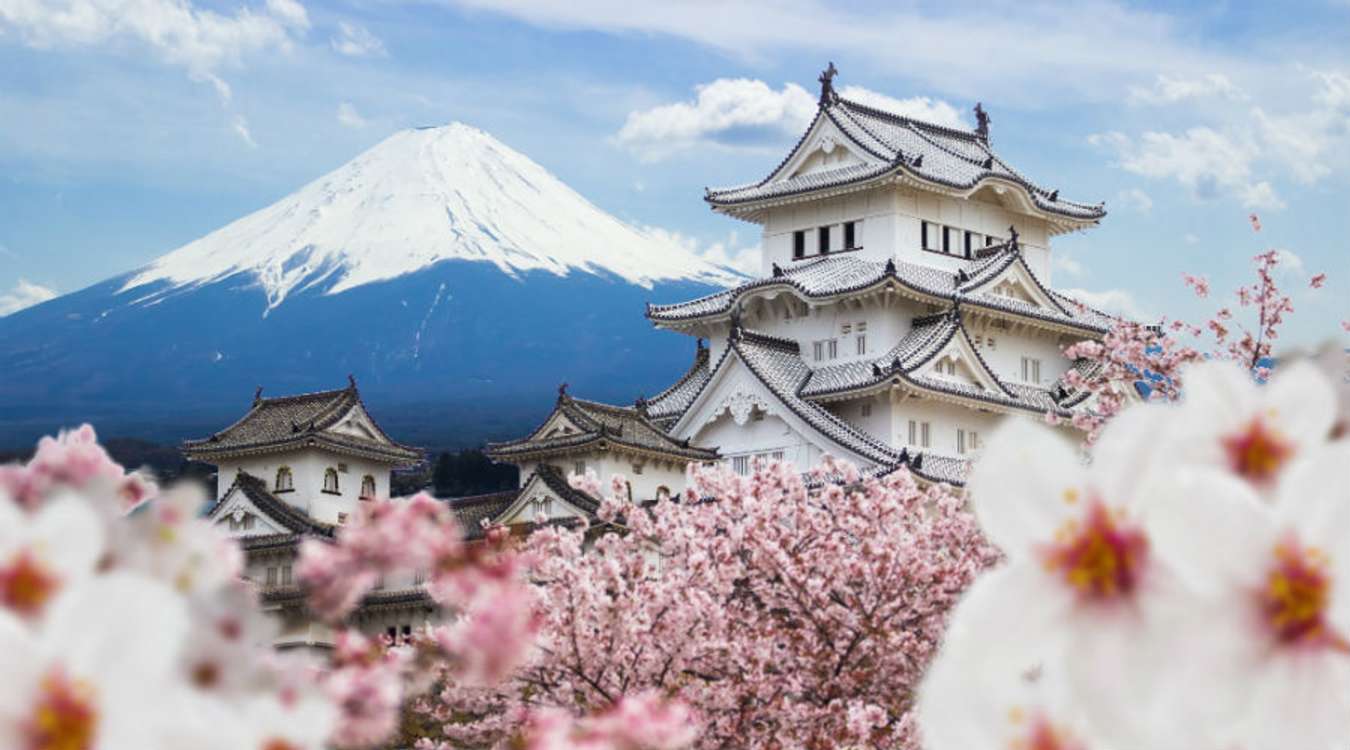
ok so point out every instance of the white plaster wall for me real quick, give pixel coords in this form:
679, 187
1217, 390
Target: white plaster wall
891, 219
765, 435
606, 464
945, 419
886, 323
1005, 359
307, 470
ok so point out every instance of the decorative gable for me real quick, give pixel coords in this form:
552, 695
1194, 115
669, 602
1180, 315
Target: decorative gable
240, 517
825, 147
557, 425
358, 424
538, 503
826, 153
1016, 283
958, 362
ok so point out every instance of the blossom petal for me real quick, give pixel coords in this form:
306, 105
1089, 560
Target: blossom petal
68, 536
1126, 451
122, 628
1018, 486
20, 668
1210, 528
1301, 401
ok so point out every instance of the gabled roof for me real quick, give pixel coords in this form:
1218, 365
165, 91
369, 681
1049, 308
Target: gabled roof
777, 364
279, 511
673, 401
843, 275
904, 364
474, 510
892, 146
576, 426
306, 420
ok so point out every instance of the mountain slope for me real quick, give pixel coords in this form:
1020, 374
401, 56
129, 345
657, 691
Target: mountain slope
456, 279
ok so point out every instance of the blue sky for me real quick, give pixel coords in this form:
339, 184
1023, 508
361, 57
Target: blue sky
129, 129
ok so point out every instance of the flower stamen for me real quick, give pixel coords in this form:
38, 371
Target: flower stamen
64, 717
1099, 556
1296, 596
1257, 452
26, 585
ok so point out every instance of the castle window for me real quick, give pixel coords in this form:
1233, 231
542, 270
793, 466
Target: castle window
990, 341
850, 235
961, 441
1031, 370
271, 575
846, 328
285, 575
862, 344
579, 467
834, 348
777, 455
948, 240
919, 433
285, 482
419, 576
799, 244
249, 520
823, 240
367, 487
866, 410
663, 493
818, 349
342, 518
637, 468
970, 244
740, 465
342, 468
330, 481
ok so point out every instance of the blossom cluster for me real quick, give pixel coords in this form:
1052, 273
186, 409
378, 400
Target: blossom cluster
124, 623
1137, 360
782, 610
1189, 588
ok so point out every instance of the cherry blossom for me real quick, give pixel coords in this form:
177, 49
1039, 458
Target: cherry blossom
1228, 422
55, 547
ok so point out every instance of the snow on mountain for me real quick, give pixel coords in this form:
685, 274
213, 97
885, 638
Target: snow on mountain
420, 197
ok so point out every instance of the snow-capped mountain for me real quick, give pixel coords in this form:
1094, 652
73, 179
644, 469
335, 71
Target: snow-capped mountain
420, 197
453, 276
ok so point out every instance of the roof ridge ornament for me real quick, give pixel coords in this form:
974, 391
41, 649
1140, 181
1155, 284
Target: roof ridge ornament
827, 93
735, 334
890, 266
351, 381
1012, 238
562, 391
777, 271
257, 395
981, 122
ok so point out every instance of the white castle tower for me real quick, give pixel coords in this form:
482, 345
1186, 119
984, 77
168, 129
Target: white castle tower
904, 304
904, 307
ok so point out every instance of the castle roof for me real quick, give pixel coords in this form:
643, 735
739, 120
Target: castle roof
578, 426
334, 420
294, 520
842, 275
895, 148
777, 364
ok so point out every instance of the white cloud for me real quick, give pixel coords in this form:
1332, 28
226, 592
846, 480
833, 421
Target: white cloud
1116, 301
746, 113
1169, 90
1064, 263
240, 126
1191, 239
1135, 200
1290, 264
727, 252
728, 111
1045, 49
200, 41
347, 115
918, 107
1202, 159
355, 40
24, 294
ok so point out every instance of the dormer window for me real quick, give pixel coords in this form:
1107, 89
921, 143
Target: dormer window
799, 244
285, 482
367, 487
330, 481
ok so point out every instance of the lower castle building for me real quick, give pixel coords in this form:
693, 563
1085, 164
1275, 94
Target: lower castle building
295, 468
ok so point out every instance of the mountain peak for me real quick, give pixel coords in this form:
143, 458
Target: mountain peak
419, 197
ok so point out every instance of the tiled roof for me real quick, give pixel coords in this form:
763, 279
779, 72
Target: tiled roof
778, 365
288, 516
844, 274
596, 423
290, 422
954, 158
474, 510
673, 401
